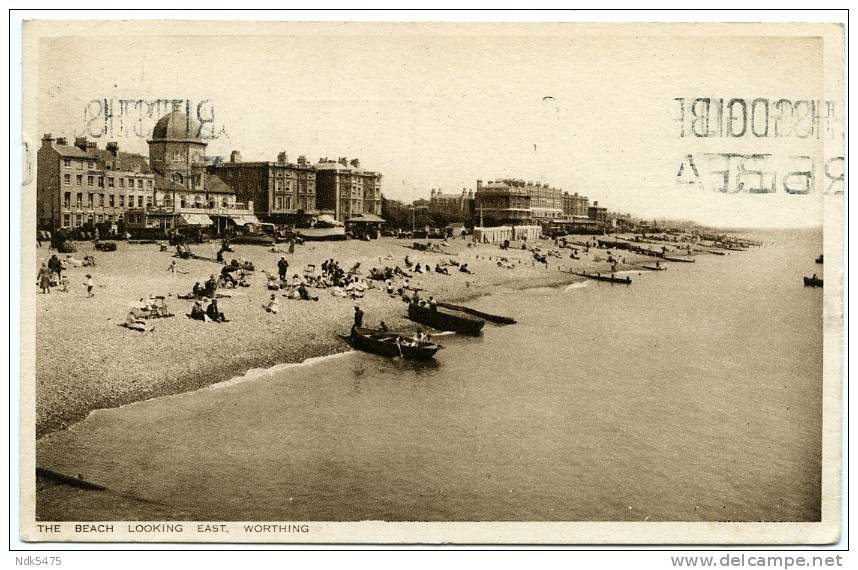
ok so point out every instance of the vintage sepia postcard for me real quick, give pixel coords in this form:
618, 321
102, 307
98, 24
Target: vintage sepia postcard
471, 283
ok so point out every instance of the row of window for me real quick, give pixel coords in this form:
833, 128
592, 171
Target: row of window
103, 200
111, 181
77, 220
89, 164
69, 163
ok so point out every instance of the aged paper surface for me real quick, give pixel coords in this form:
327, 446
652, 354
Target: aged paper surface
562, 167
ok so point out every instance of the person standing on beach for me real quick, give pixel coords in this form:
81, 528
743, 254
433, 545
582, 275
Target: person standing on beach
55, 265
358, 317
88, 283
44, 278
282, 268
172, 268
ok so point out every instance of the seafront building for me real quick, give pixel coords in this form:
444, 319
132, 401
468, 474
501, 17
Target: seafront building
597, 213
282, 192
574, 205
178, 185
344, 190
516, 202
453, 208
185, 194
82, 185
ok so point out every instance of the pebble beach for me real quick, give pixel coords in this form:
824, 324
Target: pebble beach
87, 360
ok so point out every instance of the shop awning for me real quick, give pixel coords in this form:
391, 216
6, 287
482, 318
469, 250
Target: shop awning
195, 220
244, 219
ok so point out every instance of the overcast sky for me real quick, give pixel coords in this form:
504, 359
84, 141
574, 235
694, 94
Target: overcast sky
592, 113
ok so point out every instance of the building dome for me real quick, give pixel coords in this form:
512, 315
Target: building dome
176, 126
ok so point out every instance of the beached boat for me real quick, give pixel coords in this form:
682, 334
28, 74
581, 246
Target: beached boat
819, 259
679, 259
391, 344
607, 278
714, 252
444, 320
322, 233
812, 282
654, 267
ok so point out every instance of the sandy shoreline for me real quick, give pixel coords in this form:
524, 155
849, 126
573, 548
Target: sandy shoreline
86, 360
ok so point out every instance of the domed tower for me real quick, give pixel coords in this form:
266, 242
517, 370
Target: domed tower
177, 152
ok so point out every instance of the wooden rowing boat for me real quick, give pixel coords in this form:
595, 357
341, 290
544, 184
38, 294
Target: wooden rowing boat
654, 267
812, 282
607, 278
445, 321
391, 344
679, 259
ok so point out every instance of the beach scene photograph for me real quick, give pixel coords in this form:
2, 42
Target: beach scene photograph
427, 273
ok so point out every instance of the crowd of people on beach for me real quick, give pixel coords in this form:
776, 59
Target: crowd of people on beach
391, 278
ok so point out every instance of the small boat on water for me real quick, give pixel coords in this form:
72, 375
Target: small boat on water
812, 281
679, 259
715, 252
819, 259
654, 267
391, 344
444, 320
607, 278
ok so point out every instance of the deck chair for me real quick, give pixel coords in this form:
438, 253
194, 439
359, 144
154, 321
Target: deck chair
310, 270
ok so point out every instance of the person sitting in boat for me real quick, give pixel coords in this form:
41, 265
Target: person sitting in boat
214, 313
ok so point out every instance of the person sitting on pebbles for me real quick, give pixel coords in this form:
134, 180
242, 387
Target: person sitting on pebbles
134, 323
214, 313
197, 311
273, 305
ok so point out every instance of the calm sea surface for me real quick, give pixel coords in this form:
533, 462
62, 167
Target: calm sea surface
694, 394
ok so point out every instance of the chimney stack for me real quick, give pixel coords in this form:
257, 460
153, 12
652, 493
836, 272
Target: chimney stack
113, 147
283, 158
344, 161
62, 141
47, 139
355, 162
81, 143
235, 156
